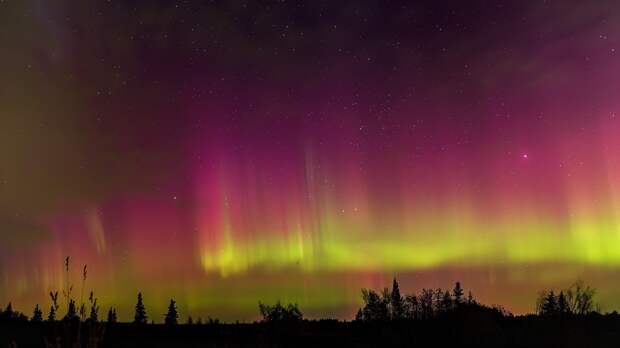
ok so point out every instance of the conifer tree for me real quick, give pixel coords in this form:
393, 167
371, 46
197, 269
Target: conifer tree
549, 304
71, 311
396, 302
37, 314
52, 315
140, 317
172, 317
562, 303
457, 293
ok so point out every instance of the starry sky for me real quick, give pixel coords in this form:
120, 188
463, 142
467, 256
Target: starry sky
223, 153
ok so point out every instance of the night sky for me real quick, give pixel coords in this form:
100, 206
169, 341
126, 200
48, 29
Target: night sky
223, 153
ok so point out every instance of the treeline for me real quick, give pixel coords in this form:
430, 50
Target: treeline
578, 299
386, 305
390, 305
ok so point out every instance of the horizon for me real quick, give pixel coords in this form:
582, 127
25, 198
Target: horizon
227, 153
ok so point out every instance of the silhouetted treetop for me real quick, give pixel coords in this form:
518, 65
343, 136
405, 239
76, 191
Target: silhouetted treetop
172, 317
140, 316
457, 293
578, 299
390, 305
278, 312
37, 314
397, 305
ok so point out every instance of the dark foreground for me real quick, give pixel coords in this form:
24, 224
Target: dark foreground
529, 331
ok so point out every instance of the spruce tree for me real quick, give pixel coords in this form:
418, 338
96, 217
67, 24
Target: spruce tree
52, 315
457, 293
71, 311
550, 304
37, 314
396, 302
172, 318
562, 303
140, 317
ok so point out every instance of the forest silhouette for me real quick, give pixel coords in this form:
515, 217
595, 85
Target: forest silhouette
566, 318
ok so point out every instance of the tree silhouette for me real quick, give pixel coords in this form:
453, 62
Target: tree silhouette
548, 304
375, 306
396, 302
140, 316
413, 306
112, 316
172, 317
71, 312
52, 314
438, 299
37, 314
562, 304
457, 293
278, 312
580, 298
190, 320
11, 315
8, 313
446, 301
426, 303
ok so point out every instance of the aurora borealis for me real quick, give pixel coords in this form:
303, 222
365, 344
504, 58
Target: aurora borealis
223, 153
